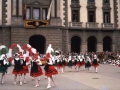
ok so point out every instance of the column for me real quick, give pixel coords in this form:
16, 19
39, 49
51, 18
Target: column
83, 47
20, 7
14, 4
113, 47
58, 8
53, 9
0, 12
69, 47
100, 47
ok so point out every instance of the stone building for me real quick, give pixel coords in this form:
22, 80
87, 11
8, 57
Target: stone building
75, 25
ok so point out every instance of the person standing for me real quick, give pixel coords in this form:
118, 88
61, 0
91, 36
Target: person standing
18, 69
4, 64
35, 70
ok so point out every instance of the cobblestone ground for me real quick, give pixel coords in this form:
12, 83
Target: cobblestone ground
107, 78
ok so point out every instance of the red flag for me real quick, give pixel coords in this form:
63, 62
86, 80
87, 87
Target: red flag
24, 11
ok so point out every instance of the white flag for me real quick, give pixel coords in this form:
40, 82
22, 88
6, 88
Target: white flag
49, 11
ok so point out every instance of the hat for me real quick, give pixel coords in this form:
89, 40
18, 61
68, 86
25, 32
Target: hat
56, 51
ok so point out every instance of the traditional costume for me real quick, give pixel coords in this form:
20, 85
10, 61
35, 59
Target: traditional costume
70, 63
88, 63
36, 70
49, 68
24, 65
95, 63
18, 68
4, 64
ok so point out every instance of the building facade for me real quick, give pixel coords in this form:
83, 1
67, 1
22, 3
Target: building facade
75, 25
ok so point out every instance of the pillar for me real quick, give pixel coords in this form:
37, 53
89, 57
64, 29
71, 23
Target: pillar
100, 47
83, 47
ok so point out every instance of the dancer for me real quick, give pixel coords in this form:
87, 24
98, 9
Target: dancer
88, 63
70, 64
95, 62
4, 64
25, 67
49, 68
18, 69
36, 70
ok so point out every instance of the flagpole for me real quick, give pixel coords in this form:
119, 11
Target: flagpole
49, 11
24, 10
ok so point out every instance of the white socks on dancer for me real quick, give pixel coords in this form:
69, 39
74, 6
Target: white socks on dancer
49, 86
2, 81
96, 70
20, 80
62, 70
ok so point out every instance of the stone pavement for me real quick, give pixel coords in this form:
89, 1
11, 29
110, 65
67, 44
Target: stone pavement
107, 78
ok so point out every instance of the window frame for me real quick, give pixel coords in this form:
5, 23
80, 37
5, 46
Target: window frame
107, 2
29, 13
42, 12
72, 14
109, 15
39, 12
91, 2
94, 14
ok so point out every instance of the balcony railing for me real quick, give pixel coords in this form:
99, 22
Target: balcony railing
107, 25
75, 24
91, 25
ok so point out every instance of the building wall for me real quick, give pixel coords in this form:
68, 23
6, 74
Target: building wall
83, 12
0, 12
118, 13
112, 10
58, 36
69, 11
22, 35
99, 12
8, 13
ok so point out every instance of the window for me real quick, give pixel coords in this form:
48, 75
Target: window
74, 0
36, 13
75, 15
44, 13
106, 17
28, 13
105, 1
91, 16
91, 0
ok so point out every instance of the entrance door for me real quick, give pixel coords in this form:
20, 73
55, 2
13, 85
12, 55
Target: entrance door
38, 42
91, 44
75, 44
107, 41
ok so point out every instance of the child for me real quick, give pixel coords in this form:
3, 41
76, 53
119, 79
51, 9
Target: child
18, 69
4, 64
36, 70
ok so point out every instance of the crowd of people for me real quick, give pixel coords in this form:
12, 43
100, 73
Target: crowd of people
53, 64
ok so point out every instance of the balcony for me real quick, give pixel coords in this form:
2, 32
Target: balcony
92, 25
107, 26
75, 25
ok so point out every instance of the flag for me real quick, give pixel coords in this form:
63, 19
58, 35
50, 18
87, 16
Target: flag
49, 11
49, 52
24, 11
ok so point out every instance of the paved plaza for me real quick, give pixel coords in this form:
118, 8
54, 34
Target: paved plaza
107, 78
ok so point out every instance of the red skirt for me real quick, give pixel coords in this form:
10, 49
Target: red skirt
83, 63
119, 65
37, 74
95, 65
79, 64
25, 69
17, 72
51, 71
